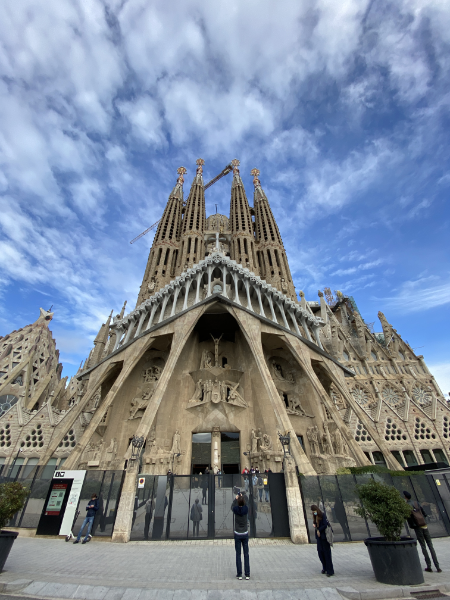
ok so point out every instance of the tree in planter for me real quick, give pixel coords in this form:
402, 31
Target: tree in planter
12, 499
383, 505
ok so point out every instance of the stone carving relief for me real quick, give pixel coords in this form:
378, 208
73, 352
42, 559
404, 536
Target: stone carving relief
93, 453
111, 451
337, 398
363, 398
392, 397
294, 405
421, 396
151, 374
282, 374
139, 404
312, 433
217, 391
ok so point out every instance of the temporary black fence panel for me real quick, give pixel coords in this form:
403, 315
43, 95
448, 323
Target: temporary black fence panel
279, 525
200, 506
337, 495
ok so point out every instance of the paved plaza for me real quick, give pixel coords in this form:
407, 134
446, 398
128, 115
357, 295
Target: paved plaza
203, 570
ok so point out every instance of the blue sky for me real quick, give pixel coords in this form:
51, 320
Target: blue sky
343, 106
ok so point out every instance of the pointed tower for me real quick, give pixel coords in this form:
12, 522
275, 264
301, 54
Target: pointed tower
164, 254
242, 248
272, 261
194, 223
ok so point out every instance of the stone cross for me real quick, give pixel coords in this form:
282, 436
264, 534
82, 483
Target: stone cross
181, 171
255, 173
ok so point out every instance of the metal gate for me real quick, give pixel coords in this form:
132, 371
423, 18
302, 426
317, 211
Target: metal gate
200, 506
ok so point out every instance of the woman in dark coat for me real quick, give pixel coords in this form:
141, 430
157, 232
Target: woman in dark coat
320, 523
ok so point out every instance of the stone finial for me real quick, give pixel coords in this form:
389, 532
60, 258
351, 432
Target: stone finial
181, 171
199, 162
302, 294
320, 294
255, 173
339, 294
235, 164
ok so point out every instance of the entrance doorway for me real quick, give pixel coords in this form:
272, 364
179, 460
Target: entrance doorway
230, 453
201, 452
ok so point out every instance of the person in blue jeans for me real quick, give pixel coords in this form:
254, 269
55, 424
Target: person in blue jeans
320, 523
91, 508
240, 511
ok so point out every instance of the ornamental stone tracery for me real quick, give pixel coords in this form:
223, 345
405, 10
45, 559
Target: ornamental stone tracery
421, 396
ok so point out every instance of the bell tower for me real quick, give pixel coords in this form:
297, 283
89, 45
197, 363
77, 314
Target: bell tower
194, 223
164, 254
242, 237
272, 260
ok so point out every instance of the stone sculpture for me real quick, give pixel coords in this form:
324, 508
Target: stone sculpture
312, 433
138, 404
151, 374
254, 441
176, 447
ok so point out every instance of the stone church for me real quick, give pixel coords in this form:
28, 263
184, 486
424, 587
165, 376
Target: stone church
217, 359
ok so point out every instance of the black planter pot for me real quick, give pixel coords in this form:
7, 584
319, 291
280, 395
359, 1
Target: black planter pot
395, 563
6, 541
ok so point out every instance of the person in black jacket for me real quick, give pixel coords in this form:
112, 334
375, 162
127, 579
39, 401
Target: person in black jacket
422, 534
240, 511
91, 508
320, 523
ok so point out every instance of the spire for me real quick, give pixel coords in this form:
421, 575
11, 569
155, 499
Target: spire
272, 260
164, 254
194, 223
242, 238
122, 312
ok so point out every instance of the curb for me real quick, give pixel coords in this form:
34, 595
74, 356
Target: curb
390, 592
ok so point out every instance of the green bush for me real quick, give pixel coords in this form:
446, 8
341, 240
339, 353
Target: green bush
12, 499
369, 469
383, 505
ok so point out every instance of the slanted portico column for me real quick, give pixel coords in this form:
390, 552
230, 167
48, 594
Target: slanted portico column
197, 293
236, 292
141, 321
186, 293
261, 308
210, 268
163, 309
175, 298
274, 316
297, 525
130, 329
306, 328
247, 289
119, 333
152, 315
224, 280
280, 306
124, 518
294, 320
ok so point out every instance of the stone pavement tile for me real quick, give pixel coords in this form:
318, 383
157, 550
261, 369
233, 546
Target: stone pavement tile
248, 594
115, 594
281, 595
34, 587
150, 594
298, 594
199, 594
91, 592
58, 590
183, 595
315, 595
381, 594
17, 584
265, 595
331, 594
132, 594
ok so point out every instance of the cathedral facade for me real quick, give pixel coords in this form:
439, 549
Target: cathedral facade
217, 359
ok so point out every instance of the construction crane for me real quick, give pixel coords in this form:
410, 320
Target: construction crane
227, 169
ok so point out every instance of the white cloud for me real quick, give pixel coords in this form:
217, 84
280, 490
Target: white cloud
419, 295
441, 371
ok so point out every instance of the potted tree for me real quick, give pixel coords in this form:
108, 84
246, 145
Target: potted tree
394, 558
12, 499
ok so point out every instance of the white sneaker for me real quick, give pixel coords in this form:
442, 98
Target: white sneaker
247, 577
239, 577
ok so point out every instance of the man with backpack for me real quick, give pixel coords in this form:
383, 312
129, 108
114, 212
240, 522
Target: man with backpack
417, 522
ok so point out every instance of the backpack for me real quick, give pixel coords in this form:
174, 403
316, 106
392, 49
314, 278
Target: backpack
329, 533
416, 515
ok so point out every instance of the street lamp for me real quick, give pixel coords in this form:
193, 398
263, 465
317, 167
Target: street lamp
136, 447
286, 443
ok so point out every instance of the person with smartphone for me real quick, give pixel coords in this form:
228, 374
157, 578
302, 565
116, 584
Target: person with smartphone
240, 510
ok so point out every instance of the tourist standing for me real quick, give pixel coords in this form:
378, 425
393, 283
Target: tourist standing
260, 486
204, 484
240, 511
196, 517
418, 523
320, 523
91, 508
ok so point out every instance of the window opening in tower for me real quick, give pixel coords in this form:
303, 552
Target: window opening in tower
189, 246
166, 257
245, 246
159, 257
269, 257
276, 258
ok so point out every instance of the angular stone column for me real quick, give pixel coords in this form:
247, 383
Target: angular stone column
297, 525
124, 517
